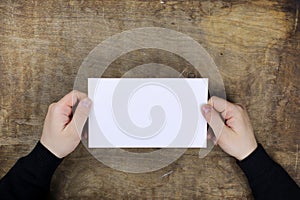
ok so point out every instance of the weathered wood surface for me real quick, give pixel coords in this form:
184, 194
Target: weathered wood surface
256, 45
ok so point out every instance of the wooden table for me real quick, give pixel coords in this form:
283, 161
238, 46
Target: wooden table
255, 44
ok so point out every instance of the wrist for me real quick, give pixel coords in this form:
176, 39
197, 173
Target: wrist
45, 153
48, 147
247, 153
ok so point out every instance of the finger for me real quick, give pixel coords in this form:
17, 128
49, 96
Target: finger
211, 136
72, 98
59, 113
224, 107
214, 120
80, 116
85, 135
85, 130
240, 105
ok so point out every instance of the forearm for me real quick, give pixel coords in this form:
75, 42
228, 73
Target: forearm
30, 177
267, 179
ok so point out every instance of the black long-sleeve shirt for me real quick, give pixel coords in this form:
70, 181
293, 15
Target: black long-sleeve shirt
267, 179
30, 177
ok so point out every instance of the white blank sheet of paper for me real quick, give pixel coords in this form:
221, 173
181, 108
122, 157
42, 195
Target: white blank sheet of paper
147, 112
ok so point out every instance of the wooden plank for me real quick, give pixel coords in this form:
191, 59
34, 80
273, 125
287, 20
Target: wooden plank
254, 43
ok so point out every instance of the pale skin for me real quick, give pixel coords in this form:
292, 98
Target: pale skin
63, 127
232, 127
230, 123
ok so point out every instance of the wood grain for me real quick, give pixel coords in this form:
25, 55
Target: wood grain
255, 44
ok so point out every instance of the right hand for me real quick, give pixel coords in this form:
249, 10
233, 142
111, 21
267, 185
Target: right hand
231, 126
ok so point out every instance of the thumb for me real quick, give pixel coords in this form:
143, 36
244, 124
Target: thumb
80, 116
214, 120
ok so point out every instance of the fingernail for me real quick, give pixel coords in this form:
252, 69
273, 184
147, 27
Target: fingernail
86, 102
206, 109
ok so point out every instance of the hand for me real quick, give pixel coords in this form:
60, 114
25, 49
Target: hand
231, 126
62, 128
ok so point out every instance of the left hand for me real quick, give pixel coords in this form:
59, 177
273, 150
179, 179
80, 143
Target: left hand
62, 128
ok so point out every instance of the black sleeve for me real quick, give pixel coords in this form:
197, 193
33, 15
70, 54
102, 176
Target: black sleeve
30, 177
267, 179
